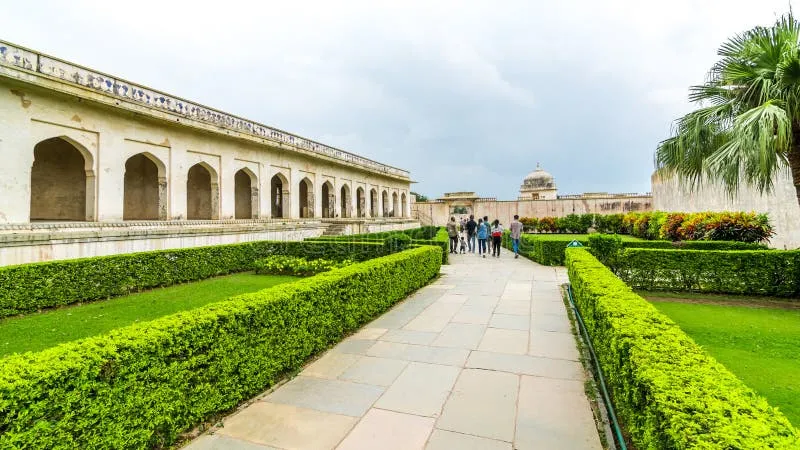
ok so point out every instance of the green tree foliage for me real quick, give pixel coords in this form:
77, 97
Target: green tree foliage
419, 197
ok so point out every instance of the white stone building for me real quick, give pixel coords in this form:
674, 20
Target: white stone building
83, 150
538, 185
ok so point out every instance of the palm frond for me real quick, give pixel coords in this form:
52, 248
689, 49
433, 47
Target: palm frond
756, 149
749, 104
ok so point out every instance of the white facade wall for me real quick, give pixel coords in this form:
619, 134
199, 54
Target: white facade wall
108, 129
780, 205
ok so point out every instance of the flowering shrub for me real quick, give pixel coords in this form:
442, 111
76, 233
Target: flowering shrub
530, 223
298, 266
547, 225
652, 225
669, 230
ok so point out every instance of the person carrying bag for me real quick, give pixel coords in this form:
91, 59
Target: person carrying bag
497, 237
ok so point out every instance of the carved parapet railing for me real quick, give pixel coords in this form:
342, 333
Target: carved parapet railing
11, 55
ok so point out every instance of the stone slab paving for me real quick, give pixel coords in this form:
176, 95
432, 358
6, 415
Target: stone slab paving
483, 358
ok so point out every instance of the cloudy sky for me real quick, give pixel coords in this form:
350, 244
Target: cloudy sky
466, 95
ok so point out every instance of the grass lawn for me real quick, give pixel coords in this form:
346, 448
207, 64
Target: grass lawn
760, 345
570, 237
38, 331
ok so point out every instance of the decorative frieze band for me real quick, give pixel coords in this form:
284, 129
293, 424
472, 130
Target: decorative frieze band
25, 59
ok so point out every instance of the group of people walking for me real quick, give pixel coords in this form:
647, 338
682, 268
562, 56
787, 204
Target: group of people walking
485, 236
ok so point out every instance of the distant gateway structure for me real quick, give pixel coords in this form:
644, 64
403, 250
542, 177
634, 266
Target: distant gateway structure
88, 152
538, 197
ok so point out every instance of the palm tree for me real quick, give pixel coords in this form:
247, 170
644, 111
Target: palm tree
748, 124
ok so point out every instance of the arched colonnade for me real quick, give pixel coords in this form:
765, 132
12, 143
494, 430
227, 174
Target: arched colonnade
63, 188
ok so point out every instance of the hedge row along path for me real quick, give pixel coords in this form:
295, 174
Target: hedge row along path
38, 331
482, 358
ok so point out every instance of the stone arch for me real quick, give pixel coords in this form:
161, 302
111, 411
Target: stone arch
385, 203
145, 188
279, 196
202, 193
246, 194
361, 202
373, 203
328, 200
62, 181
344, 199
305, 195
403, 205
395, 205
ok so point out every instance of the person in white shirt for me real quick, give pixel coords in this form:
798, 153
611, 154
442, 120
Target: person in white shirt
497, 237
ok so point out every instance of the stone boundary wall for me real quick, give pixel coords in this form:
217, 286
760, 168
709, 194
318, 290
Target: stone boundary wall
780, 205
48, 242
437, 212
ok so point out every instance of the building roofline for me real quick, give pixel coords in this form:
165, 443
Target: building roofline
17, 56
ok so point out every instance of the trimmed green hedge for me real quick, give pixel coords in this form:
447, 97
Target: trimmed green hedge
140, 386
424, 233
439, 239
30, 287
549, 249
668, 392
295, 266
758, 272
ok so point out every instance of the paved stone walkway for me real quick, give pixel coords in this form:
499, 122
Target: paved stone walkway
483, 358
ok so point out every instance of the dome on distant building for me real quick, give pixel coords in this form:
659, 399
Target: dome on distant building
538, 185
539, 179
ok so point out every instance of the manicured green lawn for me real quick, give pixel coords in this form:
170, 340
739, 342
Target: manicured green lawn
570, 237
42, 330
760, 345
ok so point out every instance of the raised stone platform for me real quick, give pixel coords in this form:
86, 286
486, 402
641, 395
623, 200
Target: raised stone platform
46, 241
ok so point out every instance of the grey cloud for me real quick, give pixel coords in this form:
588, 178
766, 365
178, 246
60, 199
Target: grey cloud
468, 96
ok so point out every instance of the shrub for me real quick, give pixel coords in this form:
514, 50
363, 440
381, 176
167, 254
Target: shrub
606, 248
628, 222
740, 227
655, 222
722, 226
611, 223
547, 225
397, 242
549, 249
293, 265
423, 233
697, 245
30, 287
440, 239
667, 391
574, 223
142, 385
752, 272
529, 223
670, 228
